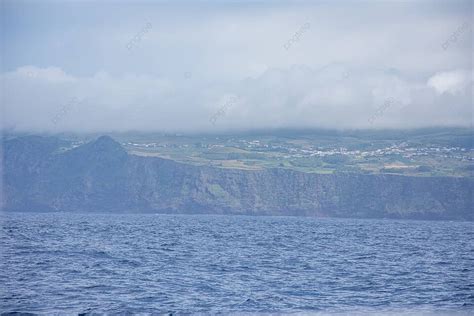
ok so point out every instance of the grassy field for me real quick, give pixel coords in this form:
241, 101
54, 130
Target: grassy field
427, 152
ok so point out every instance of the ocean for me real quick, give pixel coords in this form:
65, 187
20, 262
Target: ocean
62, 263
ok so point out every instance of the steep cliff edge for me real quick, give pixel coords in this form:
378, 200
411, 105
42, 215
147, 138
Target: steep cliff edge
101, 177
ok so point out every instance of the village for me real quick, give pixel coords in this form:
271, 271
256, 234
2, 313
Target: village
290, 150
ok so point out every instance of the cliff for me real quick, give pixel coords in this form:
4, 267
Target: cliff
102, 177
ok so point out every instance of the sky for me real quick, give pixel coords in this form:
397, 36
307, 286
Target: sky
194, 66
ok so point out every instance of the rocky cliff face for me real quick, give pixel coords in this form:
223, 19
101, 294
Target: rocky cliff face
101, 177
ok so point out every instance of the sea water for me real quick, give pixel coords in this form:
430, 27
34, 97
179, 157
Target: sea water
178, 264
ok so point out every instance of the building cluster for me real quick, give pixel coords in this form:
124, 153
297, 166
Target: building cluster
290, 150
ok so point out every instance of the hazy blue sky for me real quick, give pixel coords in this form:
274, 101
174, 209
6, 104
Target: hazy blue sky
209, 65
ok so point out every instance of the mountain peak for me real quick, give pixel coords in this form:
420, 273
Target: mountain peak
105, 139
103, 145
106, 142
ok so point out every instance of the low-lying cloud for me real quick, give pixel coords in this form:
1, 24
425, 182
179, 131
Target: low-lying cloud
336, 96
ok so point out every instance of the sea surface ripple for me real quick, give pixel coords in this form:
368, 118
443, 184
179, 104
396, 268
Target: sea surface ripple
60, 263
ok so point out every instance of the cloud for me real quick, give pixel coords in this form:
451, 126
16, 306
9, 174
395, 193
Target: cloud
451, 81
189, 59
335, 96
50, 74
